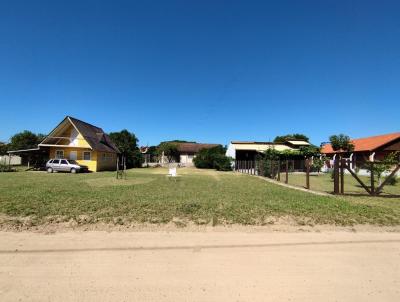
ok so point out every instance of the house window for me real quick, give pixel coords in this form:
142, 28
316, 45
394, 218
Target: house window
59, 154
73, 155
87, 155
107, 156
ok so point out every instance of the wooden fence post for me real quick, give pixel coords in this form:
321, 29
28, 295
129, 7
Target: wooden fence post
342, 164
287, 172
279, 170
372, 179
336, 176
307, 173
117, 166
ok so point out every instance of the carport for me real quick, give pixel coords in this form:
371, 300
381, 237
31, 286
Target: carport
34, 158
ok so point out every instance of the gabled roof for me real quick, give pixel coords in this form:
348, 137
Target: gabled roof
297, 142
263, 146
97, 139
194, 147
367, 143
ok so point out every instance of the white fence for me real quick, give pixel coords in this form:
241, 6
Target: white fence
12, 160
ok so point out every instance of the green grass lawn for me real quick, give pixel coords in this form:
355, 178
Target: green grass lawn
201, 196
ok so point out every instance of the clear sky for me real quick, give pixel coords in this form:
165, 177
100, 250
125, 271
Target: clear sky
210, 71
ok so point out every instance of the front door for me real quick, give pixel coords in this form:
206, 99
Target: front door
73, 155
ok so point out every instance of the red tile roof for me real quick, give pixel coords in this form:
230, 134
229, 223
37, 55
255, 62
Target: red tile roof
367, 143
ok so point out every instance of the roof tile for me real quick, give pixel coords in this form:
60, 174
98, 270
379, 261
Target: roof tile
367, 143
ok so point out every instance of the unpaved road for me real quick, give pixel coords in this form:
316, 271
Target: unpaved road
199, 266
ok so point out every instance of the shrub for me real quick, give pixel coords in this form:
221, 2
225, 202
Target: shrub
213, 158
223, 163
6, 168
393, 181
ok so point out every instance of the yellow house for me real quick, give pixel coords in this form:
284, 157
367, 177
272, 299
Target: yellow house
83, 142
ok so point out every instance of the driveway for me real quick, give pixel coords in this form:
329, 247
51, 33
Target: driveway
199, 266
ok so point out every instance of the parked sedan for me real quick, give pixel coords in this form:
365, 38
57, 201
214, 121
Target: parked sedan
65, 165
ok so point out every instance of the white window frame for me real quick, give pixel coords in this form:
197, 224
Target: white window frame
90, 155
55, 155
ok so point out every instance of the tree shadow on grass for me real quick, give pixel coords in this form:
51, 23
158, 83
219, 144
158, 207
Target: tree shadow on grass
368, 195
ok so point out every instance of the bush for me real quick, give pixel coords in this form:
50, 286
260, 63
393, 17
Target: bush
6, 168
223, 163
393, 181
213, 158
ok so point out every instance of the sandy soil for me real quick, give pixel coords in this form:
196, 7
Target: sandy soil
57, 224
200, 266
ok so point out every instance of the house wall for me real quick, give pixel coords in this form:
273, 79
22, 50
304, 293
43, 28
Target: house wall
186, 159
106, 161
92, 163
78, 140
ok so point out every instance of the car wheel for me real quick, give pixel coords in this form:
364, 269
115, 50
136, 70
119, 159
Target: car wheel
73, 170
50, 170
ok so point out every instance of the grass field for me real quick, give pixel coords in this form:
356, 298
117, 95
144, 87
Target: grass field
201, 196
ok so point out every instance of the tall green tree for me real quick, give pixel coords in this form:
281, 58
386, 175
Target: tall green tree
284, 138
308, 151
127, 144
213, 158
341, 143
25, 140
169, 150
3, 148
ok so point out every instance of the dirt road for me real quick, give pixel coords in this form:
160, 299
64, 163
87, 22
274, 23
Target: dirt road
199, 266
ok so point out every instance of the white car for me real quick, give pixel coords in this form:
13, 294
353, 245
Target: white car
65, 165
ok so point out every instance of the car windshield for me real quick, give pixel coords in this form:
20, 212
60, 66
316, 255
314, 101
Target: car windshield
71, 161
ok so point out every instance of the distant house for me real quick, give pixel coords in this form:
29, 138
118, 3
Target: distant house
368, 148
245, 150
248, 151
187, 152
87, 144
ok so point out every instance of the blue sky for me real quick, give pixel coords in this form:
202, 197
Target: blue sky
209, 71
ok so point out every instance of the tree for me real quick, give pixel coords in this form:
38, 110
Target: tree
317, 164
284, 138
384, 166
341, 143
127, 144
25, 140
169, 150
309, 151
3, 148
213, 158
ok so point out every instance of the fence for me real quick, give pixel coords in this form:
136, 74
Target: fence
10, 160
298, 171
276, 169
376, 170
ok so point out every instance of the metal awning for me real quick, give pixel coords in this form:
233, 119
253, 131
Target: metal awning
26, 150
